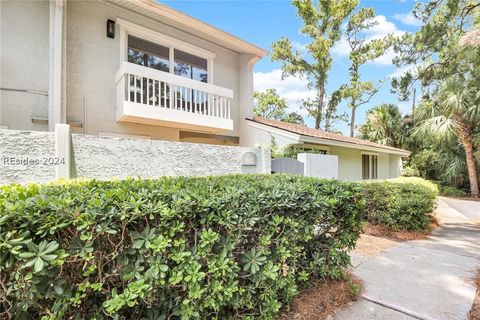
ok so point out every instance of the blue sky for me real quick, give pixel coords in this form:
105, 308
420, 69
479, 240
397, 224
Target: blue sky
263, 22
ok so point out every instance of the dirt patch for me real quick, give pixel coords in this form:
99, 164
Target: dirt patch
370, 246
323, 299
475, 312
383, 231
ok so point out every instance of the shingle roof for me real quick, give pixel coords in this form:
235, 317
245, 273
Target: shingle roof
310, 132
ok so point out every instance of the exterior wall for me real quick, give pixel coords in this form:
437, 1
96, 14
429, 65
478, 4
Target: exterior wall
105, 158
24, 63
383, 166
29, 156
349, 159
349, 163
33, 150
319, 165
395, 166
91, 61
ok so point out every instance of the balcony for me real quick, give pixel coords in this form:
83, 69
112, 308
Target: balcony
149, 96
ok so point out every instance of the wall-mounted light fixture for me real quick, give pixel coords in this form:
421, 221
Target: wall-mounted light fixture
110, 28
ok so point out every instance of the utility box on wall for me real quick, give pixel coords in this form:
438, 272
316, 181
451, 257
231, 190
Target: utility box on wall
319, 165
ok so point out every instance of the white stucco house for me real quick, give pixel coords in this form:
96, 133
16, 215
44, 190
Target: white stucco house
140, 69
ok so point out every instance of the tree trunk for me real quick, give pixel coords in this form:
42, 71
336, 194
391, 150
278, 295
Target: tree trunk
467, 143
352, 120
318, 118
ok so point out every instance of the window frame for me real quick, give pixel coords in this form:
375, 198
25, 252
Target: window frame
372, 170
128, 28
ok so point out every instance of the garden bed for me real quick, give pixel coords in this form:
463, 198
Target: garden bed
323, 299
386, 232
475, 311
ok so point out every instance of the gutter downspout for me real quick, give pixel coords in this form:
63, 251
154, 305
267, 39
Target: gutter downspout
56, 63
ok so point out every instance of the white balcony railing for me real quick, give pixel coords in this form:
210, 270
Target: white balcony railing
146, 95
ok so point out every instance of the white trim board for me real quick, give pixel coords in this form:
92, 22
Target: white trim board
163, 39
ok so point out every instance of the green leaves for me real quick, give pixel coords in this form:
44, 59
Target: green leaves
40, 255
229, 246
401, 204
143, 239
321, 23
252, 260
81, 248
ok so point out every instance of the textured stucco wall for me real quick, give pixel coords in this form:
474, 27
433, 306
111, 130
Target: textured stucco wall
24, 63
108, 157
319, 165
32, 149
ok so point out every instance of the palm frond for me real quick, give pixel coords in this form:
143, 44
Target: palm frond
439, 126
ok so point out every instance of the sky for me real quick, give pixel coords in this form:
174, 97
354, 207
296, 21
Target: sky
262, 22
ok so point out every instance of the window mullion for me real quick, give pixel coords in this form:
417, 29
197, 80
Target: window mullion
370, 164
171, 60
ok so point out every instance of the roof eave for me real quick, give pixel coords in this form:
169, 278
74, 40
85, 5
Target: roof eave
331, 142
302, 138
192, 23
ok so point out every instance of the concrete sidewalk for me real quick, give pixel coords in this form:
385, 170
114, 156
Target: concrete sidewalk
428, 279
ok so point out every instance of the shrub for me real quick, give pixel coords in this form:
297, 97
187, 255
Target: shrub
417, 181
402, 203
410, 172
191, 248
449, 191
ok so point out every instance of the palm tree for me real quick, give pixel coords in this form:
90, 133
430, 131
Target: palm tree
385, 125
453, 112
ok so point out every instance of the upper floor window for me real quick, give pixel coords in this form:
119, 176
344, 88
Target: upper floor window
148, 54
190, 66
161, 52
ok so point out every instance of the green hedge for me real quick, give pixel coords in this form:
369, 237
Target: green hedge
402, 203
174, 248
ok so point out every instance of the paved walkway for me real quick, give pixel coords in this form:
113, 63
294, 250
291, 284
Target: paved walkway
428, 279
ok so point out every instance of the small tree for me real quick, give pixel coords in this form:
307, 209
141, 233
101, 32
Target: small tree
362, 51
321, 23
269, 104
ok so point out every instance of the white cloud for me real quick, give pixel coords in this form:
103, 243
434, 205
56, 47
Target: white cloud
402, 70
408, 19
380, 30
383, 27
299, 46
291, 88
385, 59
341, 48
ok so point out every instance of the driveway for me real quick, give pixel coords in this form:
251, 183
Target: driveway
429, 279
470, 209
